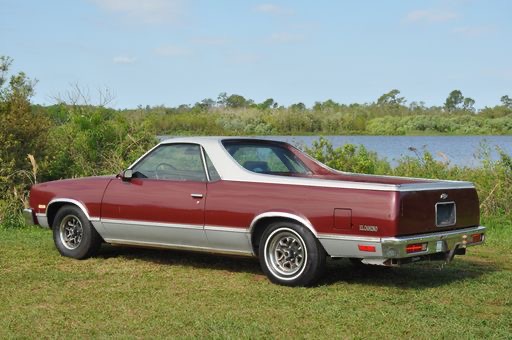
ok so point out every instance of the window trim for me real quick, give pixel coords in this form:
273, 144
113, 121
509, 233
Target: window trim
205, 166
265, 143
147, 154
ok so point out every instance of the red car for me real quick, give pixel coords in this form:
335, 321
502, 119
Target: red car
259, 198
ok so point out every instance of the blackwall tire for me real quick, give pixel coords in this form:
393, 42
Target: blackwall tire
291, 255
73, 234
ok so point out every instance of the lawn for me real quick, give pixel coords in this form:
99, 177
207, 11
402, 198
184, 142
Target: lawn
134, 293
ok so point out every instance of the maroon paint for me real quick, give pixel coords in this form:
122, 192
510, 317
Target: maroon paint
155, 201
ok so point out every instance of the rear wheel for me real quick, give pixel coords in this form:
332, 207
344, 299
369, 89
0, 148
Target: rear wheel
73, 234
291, 255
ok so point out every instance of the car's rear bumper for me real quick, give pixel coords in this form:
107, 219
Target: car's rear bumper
380, 249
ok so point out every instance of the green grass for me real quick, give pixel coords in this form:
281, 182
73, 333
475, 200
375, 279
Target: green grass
133, 293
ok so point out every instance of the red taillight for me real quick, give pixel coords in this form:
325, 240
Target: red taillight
363, 247
476, 238
415, 247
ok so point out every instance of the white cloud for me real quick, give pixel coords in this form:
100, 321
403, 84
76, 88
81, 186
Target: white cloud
146, 11
285, 38
123, 59
430, 15
272, 9
172, 51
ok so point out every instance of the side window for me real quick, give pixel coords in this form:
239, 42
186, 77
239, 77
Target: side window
214, 175
267, 159
178, 162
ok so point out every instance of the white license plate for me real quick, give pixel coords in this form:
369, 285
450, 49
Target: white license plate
439, 246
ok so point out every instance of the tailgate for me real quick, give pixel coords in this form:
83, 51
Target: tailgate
437, 210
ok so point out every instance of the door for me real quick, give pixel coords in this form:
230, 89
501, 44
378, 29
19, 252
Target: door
162, 204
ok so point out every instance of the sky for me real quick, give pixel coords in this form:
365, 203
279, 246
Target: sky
172, 52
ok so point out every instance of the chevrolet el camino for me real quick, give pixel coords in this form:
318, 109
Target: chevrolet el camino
259, 198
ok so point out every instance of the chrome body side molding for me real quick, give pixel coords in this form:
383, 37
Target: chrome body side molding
302, 220
75, 202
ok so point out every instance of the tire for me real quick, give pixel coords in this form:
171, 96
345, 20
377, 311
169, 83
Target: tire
73, 233
291, 255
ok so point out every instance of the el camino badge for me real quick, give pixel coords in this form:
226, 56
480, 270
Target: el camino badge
372, 228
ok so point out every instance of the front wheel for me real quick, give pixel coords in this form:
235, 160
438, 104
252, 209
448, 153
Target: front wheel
73, 234
291, 255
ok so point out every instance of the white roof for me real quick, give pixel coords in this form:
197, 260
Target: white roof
230, 170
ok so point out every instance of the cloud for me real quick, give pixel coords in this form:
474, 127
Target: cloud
272, 9
123, 59
474, 31
172, 51
430, 15
285, 38
146, 11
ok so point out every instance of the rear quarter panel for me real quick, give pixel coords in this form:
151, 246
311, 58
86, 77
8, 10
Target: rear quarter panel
236, 204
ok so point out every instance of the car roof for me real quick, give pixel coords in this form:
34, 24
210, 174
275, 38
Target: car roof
215, 140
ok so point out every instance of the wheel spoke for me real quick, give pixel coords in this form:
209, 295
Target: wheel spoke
71, 232
285, 253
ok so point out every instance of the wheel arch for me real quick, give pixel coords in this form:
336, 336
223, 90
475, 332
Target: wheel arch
262, 221
56, 204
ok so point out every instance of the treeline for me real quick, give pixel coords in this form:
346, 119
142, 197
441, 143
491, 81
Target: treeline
74, 138
388, 115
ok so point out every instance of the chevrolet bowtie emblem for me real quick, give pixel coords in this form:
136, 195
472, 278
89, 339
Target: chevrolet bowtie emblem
444, 196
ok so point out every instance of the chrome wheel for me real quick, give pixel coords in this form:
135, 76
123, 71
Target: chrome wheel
71, 232
285, 253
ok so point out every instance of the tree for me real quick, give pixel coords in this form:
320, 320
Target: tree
22, 130
454, 100
391, 99
236, 101
468, 104
267, 104
298, 107
22, 136
506, 101
222, 98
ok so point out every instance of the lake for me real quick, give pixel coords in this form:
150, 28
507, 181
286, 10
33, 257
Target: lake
458, 150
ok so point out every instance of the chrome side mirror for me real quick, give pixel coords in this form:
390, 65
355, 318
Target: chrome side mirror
127, 175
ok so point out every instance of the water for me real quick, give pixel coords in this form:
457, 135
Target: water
457, 150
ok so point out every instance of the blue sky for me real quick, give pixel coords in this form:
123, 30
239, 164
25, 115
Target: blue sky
169, 52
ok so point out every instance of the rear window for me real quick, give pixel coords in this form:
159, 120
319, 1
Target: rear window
266, 158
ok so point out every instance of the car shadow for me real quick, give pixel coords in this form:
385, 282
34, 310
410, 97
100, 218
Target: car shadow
420, 275
413, 276
232, 263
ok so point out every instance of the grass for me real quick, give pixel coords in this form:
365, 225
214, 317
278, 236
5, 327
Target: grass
134, 293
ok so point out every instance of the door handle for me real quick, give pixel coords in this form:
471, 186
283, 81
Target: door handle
196, 195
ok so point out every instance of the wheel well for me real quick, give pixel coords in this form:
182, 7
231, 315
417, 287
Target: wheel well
261, 225
51, 212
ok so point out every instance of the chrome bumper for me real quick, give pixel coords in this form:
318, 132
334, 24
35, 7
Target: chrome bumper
29, 216
441, 242
448, 243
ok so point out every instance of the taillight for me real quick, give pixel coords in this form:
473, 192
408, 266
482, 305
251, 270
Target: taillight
416, 247
363, 247
476, 238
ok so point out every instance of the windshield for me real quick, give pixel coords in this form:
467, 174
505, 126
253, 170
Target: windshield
266, 158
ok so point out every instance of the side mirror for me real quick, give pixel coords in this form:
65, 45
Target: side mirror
127, 175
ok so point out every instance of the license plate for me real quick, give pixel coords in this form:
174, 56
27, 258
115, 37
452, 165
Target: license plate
446, 214
439, 246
